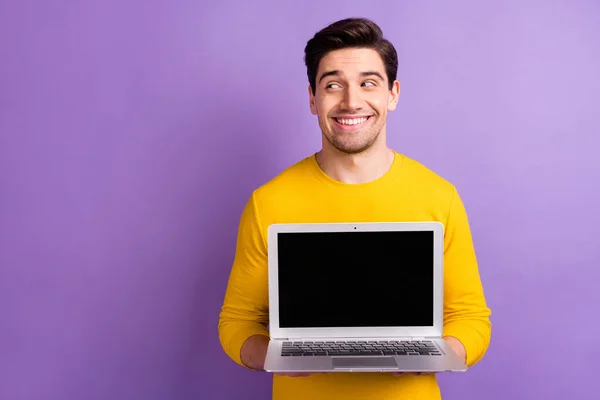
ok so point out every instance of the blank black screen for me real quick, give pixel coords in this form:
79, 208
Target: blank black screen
356, 279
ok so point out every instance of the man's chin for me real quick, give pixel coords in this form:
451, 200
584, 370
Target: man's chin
351, 149
350, 143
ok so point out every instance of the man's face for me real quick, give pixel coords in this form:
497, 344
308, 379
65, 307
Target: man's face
352, 98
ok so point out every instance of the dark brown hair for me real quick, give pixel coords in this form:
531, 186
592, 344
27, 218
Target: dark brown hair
347, 33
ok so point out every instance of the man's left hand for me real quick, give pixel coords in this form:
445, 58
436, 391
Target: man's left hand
457, 347
454, 344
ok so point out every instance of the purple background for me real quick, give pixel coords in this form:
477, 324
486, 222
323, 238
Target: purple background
132, 133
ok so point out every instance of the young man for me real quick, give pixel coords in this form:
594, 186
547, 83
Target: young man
354, 177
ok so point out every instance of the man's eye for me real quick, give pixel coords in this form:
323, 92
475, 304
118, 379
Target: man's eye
333, 86
369, 84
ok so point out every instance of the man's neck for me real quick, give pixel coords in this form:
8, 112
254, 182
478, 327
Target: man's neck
355, 168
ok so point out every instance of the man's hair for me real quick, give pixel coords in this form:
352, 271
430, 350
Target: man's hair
349, 33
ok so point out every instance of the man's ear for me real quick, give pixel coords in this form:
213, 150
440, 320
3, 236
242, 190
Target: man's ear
311, 100
394, 96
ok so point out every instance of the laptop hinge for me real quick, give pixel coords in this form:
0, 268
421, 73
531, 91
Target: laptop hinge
333, 338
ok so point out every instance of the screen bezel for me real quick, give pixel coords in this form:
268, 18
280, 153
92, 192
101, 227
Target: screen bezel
276, 332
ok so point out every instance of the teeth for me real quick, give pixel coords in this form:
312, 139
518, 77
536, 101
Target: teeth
354, 121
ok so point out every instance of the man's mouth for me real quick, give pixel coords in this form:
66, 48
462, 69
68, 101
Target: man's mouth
351, 121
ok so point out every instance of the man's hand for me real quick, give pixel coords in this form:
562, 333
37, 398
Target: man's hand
457, 347
454, 344
254, 353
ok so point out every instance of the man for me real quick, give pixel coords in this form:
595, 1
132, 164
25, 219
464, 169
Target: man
354, 177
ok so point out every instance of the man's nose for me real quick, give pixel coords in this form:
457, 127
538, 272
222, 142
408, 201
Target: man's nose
351, 100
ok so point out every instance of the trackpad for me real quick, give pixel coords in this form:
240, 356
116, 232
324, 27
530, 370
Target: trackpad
364, 362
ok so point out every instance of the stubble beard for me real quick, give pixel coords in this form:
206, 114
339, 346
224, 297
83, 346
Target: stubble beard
356, 145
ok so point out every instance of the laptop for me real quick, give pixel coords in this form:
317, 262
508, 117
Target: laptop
357, 297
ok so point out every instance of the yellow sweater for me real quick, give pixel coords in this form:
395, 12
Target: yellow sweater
303, 193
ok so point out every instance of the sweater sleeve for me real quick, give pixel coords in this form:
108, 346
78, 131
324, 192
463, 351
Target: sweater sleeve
244, 312
466, 314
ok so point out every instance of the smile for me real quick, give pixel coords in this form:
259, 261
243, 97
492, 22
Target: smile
351, 123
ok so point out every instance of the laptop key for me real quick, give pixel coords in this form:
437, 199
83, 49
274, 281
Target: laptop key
360, 348
366, 353
357, 353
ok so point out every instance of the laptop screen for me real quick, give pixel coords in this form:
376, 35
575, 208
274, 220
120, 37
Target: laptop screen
355, 279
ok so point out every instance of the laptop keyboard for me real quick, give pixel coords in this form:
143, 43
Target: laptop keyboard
378, 348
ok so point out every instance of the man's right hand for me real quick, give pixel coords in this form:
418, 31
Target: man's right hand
254, 353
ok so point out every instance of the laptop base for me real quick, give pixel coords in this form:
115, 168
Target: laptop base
444, 360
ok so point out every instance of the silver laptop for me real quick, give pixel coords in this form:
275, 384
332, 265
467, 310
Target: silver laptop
357, 297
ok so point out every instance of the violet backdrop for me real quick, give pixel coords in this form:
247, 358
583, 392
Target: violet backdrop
133, 132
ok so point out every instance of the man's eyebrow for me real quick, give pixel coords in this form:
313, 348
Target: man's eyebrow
363, 74
329, 73
373, 73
